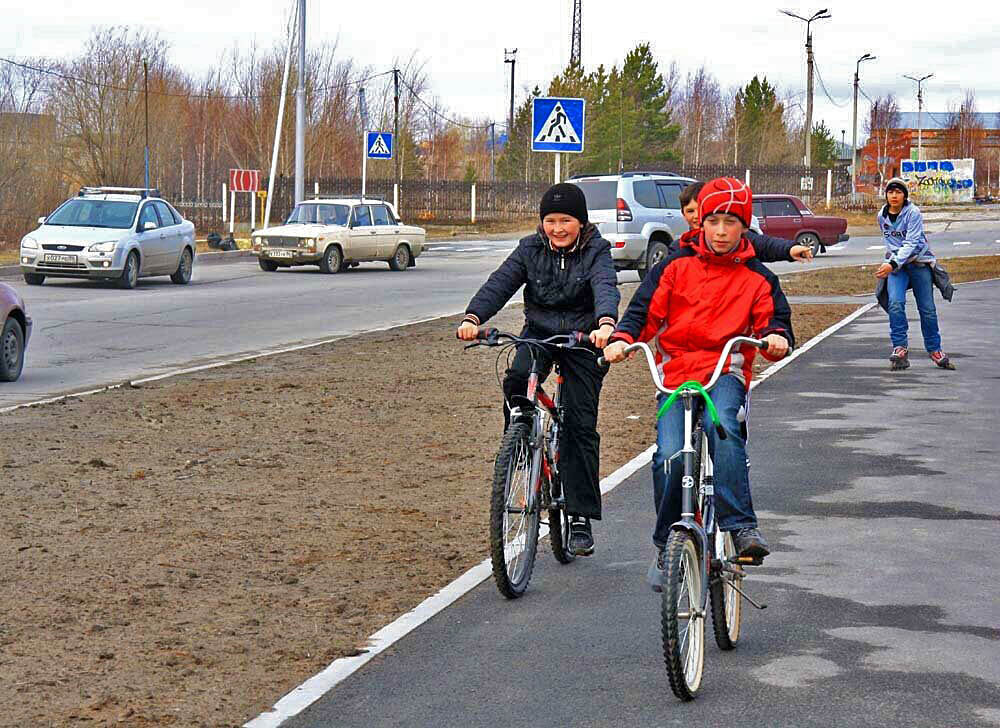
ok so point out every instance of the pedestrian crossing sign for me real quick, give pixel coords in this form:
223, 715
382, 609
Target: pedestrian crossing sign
557, 124
379, 144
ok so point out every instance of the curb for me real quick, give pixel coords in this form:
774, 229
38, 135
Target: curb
211, 257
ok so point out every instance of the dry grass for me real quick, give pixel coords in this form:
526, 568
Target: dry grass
857, 280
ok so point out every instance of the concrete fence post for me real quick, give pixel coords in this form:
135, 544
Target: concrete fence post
829, 186
224, 217
395, 196
473, 203
746, 178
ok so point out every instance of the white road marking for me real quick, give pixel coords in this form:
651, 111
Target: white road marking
875, 247
315, 687
472, 250
964, 242
838, 246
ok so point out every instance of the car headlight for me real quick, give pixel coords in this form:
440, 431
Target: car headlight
29, 243
105, 247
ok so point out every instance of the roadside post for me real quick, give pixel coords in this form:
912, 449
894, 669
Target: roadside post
378, 145
242, 180
557, 125
829, 185
262, 194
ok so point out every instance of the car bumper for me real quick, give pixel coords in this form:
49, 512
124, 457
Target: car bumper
843, 238
83, 264
290, 257
627, 249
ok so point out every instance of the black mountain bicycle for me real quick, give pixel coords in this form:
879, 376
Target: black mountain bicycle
526, 474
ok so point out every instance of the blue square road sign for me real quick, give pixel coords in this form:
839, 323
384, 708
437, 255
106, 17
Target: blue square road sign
557, 124
379, 145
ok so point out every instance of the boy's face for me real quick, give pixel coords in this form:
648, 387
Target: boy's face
561, 229
895, 198
690, 212
723, 232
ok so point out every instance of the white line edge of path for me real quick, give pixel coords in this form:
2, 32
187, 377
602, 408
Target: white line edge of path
301, 697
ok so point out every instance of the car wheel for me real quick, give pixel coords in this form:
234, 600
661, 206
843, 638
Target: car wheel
182, 275
11, 351
657, 252
811, 241
332, 260
34, 279
130, 273
400, 260
268, 266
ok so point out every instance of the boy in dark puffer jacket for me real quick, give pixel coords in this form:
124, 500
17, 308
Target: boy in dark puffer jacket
569, 285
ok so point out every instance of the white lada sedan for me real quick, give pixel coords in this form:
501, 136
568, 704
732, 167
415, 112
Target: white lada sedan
338, 234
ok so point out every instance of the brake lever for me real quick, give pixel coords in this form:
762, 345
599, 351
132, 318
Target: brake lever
472, 345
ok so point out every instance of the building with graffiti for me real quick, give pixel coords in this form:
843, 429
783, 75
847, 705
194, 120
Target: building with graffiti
887, 150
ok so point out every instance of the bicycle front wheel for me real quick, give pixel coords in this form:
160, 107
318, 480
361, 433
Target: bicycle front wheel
559, 535
514, 512
727, 607
682, 616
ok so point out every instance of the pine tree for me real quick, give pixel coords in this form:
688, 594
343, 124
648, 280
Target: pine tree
824, 146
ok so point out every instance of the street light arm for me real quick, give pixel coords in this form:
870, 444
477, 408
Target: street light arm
793, 15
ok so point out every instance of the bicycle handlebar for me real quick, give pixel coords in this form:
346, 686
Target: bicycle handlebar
495, 337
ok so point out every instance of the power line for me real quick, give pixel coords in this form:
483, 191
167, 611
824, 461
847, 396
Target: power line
112, 87
437, 113
823, 86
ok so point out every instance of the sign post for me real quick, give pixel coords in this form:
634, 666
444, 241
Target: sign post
557, 125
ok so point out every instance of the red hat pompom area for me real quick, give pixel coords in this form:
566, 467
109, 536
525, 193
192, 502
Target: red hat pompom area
726, 194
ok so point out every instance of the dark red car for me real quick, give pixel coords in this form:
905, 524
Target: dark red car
788, 217
15, 329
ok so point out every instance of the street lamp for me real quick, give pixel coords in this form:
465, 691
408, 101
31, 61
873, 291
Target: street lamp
920, 109
818, 15
854, 137
510, 56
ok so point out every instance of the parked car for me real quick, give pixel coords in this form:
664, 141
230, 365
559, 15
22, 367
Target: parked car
14, 334
337, 234
786, 216
115, 233
639, 213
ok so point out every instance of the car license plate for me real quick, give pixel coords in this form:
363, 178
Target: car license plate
52, 258
281, 254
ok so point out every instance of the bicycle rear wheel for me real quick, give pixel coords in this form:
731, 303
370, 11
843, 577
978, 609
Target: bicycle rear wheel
682, 618
727, 607
514, 512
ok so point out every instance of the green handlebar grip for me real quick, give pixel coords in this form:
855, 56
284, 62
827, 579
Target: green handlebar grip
693, 386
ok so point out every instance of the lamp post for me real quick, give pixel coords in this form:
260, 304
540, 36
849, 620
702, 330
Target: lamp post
818, 15
854, 137
510, 56
920, 111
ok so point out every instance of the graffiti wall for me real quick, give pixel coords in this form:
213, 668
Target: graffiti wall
940, 180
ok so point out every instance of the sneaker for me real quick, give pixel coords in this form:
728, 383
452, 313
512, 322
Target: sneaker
750, 543
941, 359
899, 358
581, 540
655, 576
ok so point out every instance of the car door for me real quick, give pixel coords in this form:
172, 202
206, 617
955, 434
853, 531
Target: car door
783, 219
173, 237
152, 241
388, 231
670, 200
364, 235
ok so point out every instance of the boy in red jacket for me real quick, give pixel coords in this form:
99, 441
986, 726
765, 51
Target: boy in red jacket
691, 304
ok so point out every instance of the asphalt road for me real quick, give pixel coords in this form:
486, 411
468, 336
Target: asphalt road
90, 334
876, 490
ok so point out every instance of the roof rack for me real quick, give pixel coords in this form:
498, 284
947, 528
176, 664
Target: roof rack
650, 172
141, 191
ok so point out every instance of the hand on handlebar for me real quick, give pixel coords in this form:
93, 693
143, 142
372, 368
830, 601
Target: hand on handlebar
599, 336
777, 345
468, 331
615, 352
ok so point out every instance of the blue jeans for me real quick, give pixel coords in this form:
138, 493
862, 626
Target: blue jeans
734, 508
920, 279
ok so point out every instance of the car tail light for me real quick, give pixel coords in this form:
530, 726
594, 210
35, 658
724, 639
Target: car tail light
620, 244
624, 213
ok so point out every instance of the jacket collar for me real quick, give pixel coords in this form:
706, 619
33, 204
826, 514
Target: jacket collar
695, 239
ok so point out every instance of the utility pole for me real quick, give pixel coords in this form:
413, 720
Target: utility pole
300, 111
145, 86
510, 56
819, 15
493, 150
854, 135
920, 111
576, 40
395, 121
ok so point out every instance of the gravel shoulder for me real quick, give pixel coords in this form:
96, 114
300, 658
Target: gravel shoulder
186, 552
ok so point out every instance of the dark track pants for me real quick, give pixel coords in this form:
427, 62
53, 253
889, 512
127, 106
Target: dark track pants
579, 442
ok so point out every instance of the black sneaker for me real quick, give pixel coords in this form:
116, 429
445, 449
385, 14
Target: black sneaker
655, 574
899, 358
581, 540
750, 543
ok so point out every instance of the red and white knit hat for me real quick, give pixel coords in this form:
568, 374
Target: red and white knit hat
726, 194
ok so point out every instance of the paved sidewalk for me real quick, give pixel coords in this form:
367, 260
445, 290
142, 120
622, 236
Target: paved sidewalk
877, 490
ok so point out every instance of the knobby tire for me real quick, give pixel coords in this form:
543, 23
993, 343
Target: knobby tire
683, 637
514, 462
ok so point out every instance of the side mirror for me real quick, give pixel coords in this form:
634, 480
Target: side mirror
41, 220
148, 225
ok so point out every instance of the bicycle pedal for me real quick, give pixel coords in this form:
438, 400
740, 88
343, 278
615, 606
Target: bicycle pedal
748, 560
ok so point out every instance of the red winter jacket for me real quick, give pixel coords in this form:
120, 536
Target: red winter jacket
694, 301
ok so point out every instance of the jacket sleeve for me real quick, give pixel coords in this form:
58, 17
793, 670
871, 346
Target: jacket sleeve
771, 312
498, 288
770, 249
638, 319
604, 284
914, 238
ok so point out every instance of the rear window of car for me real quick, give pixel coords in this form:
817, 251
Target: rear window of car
381, 215
644, 192
600, 194
758, 209
779, 208
670, 194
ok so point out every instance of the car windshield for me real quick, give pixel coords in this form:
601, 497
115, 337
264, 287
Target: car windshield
319, 214
94, 213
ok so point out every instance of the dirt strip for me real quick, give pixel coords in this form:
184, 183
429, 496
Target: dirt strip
185, 553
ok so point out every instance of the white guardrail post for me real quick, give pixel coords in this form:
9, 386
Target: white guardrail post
829, 186
473, 203
223, 203
746, 178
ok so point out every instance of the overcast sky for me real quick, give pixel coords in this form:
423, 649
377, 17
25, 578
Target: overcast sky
463, 42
